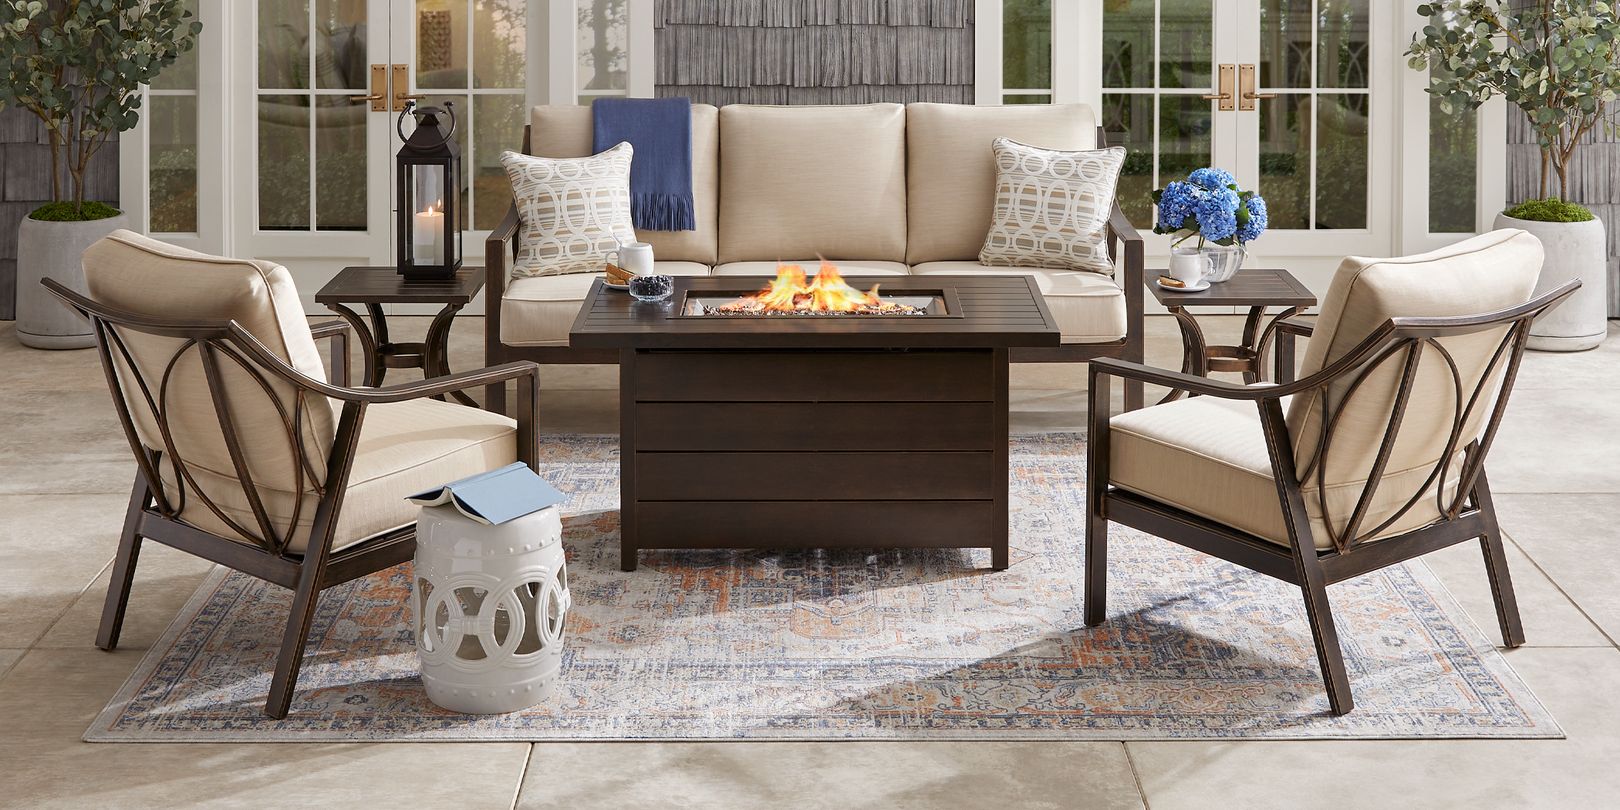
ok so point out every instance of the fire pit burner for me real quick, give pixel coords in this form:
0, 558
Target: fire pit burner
827, 295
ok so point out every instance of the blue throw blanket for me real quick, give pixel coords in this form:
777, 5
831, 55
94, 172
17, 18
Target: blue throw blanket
660, 132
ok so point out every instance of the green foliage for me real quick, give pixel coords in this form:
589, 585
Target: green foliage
1558, 60
77, 65
1550, 210
72, 212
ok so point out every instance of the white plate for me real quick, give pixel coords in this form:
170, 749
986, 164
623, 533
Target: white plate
620, 287
1199, 287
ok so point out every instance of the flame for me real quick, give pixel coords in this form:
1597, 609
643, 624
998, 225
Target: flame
790, 293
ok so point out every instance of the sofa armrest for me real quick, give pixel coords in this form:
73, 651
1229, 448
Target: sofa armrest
499, 251
1127, 245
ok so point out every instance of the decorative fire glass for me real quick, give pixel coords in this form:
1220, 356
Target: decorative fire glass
429, 183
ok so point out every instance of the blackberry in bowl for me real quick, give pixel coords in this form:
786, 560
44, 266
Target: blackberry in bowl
651, 288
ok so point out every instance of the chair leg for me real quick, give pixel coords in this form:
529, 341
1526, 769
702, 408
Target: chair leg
123, 571
291, 658
1095, 597
1496, 567
1328, 652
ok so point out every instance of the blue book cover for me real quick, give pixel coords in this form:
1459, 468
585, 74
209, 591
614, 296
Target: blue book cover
496, 496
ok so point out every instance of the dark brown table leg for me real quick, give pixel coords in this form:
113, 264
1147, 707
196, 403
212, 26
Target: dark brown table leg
627, 460
1000, 553
369, 355
379, 328
1194, 350
436, 350
1285, 347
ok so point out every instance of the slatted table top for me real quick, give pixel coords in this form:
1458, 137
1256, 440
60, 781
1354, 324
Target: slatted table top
992, 312
384, 285
1250, 287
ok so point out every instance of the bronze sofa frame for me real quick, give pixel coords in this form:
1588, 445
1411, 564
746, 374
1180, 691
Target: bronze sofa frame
500, 248
151, 515
1470, 513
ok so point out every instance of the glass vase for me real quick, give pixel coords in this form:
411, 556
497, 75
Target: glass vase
1224, 261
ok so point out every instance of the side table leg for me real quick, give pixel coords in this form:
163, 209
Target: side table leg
1194, 350
1251, 337
379, 326
436, 350
1285, 347
368, 343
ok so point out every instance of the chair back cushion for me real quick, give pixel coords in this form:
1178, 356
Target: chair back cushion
1479, 275
951, 172
813, 181
564, 131
147, 277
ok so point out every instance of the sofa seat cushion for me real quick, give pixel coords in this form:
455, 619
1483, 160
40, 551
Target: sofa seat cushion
1208, 456
1088, 308
848, 268
539, 311
404, 448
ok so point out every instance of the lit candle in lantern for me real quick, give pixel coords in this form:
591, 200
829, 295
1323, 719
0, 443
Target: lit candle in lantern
427, 234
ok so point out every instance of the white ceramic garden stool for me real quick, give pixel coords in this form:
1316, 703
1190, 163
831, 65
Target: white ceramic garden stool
490, 605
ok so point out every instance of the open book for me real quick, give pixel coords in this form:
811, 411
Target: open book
495, 496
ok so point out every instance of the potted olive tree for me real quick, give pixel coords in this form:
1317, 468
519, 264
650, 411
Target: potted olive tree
1559, 62
77, 65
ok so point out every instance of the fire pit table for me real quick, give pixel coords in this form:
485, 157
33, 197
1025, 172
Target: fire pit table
747, 430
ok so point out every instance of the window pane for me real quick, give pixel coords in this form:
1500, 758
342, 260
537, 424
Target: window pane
340, 163
1453, 169
1185, 124
603, 39
1341, 159
1128, 43
1342, 44
1285, 43
1026, 98
284, 44
1186, 29
1285, 162
173, 132
1128, 120
441, 44
497, 125
501, 33
182, 75
283, 162
340, 45
1026, 44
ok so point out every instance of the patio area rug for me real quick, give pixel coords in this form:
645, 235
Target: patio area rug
902, 645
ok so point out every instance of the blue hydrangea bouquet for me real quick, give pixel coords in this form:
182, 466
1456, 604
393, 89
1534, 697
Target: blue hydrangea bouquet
1209, 205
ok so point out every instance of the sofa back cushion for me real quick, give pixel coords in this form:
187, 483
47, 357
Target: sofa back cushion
565, 132
807, 180
951, 170
1483, 274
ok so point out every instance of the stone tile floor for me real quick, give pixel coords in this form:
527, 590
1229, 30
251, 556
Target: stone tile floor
65, 476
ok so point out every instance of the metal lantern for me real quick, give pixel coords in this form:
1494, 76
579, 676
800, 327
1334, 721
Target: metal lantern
429, 183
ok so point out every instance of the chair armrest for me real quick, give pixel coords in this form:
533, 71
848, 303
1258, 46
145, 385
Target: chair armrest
1193, 384
1134, 249
460, 381
339, 333
498, 253
1300, 325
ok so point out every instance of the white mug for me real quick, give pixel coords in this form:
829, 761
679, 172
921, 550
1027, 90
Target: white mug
1188, 266
634, 257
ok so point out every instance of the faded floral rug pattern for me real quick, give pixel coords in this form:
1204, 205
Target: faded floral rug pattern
831, 645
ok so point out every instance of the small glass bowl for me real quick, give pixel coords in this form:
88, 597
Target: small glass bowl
651, 288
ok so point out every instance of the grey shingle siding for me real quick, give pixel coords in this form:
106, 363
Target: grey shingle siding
25, 182
1594, 181
814, 51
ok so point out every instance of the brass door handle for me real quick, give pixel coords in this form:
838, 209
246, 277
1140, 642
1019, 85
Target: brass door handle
366, 98
1246, 101
379, 89
1225, 96
402, 86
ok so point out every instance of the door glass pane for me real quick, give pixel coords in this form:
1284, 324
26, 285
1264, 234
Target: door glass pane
1185, 124
172, 203
340, 45
1027, 98
603, 39
441, 44
1341, 154
502, 33
1453, 169
340, 163
182, 75
1128, 120
1342, 45
1285, 160
284, 44
283, 162
497, 125
1026, 44
1128, 43
1184, 51
1285, 43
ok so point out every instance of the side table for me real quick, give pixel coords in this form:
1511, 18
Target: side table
374, 286
1256, 288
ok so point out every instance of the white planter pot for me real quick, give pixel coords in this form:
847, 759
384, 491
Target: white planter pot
1574, 250
53, 250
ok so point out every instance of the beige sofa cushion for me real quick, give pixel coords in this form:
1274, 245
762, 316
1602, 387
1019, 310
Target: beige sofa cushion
144, 276
540, 311
565, 131
854, 267
1088, 308
951, 173
573, 212
404, 448
807, 181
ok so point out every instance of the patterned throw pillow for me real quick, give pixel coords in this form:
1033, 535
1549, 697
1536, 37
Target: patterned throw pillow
1051, 207
570, 210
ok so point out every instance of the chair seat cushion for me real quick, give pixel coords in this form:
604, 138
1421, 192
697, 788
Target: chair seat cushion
404, 448
539, 310
1088, 307
849, 267
1208, 456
